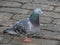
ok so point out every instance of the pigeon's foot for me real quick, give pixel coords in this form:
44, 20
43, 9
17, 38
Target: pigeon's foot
27, 40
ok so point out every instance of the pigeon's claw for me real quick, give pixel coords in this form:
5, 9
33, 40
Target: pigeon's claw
27, 40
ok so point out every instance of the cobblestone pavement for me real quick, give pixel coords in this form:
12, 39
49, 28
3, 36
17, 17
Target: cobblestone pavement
14, 10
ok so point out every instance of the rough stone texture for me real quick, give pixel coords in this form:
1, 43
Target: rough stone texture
40, 1
4, 38
46, 19
19, 17
50, 34
17, 41
50, 27
7, 23
56, 21
5, 16
34, 42
2, 29
57, 9
5, 19
10, 4
33, 6
23, 1
14, 10
44, 42
51, 14
41, 42
52, 3
7, 44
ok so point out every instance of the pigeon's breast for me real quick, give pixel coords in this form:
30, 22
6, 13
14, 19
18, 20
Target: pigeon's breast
32, 29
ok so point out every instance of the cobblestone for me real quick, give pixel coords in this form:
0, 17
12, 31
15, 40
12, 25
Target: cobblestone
14, 10
19, 17
44, 42
7, 44
2, 29
51, 27
10, 4
57, 9
56, 21
51, 14
4, 39
46, 19
33, 6
5, 16
23, 1
17, 41
7, 23
50, 34
40, 1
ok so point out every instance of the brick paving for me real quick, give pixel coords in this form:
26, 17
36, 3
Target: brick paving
14, 10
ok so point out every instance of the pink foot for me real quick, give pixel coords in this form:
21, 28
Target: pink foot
27, 40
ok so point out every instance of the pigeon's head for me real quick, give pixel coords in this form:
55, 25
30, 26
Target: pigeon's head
34, 18
38, 11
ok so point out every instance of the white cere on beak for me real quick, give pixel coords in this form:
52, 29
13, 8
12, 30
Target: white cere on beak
41, 12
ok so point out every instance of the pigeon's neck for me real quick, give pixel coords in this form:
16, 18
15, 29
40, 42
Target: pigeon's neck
34, 18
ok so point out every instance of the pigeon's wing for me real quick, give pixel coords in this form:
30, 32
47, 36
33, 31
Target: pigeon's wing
18, 27
21, 26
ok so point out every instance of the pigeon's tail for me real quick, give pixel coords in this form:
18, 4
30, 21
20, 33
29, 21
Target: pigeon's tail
9, 31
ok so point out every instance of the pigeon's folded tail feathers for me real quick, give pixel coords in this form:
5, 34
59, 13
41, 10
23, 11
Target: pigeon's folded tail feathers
9, 31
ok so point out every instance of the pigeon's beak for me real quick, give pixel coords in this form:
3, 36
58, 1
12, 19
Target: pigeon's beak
41, 12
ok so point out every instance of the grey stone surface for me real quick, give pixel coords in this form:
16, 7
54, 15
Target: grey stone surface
51, 27
10, 4
51, 14
50, 34
23, 1
7, 44
46, 19
44, 42
33, 6
56, 21
17, 41
14, 10
57, 9
2, 29
40, 1
7, 23
5, 16
19, 17
4, 39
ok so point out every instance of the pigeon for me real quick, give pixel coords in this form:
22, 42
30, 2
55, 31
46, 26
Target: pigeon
29, 26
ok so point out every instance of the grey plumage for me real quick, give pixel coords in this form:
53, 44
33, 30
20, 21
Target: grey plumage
29, 26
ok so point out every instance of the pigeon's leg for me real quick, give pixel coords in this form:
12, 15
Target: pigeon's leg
27, 40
